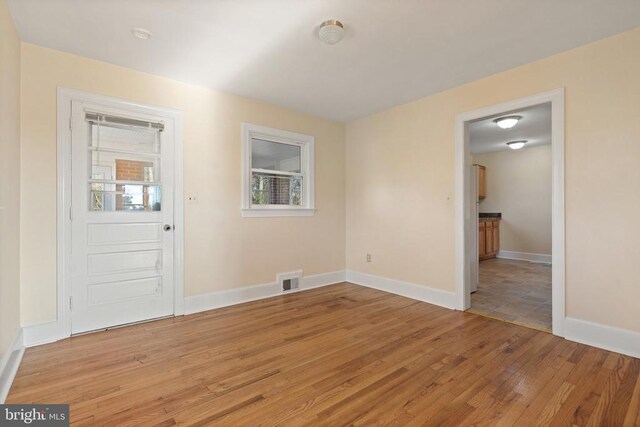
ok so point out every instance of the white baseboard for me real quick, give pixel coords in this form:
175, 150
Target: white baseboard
225, 298
323, 279
410, 290
607, 337
525, 256
47, 332
9, 365
42, 333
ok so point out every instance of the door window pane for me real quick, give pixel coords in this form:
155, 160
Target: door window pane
122, 157
128, 197
140, 140
124, 167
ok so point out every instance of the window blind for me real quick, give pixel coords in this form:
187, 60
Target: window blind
106, 119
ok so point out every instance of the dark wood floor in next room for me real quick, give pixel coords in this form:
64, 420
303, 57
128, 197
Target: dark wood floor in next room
338, 355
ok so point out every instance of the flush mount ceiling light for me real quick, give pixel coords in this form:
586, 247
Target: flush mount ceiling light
331, 31
507, 122
141, 33
516, 145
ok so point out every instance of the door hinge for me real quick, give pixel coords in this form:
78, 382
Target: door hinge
70, 123
70, 303
70, 213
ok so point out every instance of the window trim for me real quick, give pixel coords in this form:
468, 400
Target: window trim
307, 163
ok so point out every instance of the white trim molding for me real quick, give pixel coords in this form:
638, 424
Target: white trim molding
227, 297
39, 334
525, 256
307, 166
9, 365
464, 250
276, 212
607, 337
47, 332
406, 289
42, 333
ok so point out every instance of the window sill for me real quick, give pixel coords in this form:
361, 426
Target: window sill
276, 212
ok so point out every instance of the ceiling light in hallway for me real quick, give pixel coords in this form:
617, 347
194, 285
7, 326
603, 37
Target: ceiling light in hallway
516, 145
507, 122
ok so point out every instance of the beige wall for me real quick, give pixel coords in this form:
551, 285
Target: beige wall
222, 250
9, 179
519, 186
400, 178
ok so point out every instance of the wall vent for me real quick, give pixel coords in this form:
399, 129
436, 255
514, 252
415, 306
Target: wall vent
290, 281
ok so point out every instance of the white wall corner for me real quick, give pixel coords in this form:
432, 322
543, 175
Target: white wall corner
227, 297
42, 333
9, 365
410, 290
606, 337
525, 256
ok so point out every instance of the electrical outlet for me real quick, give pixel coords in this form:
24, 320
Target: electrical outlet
192, 198
368, 257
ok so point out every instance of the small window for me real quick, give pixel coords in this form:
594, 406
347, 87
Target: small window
278, 172
124, 166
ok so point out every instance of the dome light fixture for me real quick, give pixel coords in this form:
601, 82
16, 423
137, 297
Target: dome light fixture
507, 122
141, 33
516, 145
331, 31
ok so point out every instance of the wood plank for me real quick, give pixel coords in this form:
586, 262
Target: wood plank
341, 354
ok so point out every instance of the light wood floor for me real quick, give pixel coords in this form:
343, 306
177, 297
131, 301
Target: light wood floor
514, 291
338, 355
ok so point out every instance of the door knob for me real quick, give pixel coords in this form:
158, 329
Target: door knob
167, 227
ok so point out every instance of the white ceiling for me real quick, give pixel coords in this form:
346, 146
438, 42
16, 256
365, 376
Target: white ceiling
393, 51
535, 127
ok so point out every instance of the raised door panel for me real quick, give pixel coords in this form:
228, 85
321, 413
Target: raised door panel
496, 237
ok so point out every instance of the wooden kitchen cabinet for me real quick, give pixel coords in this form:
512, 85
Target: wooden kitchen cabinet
496, 237
481, 240
482, 182
488, 238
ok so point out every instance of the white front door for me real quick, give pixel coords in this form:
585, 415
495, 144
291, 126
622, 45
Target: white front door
121, 217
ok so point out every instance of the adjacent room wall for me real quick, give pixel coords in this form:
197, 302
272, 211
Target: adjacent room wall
519, 186
222, 249
400, 178
9, 180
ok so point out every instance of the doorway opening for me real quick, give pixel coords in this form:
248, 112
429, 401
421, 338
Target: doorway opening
510, 211
511, 187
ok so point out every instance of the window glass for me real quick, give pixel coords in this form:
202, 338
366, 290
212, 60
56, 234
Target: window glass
120, 158
270, 189
116, 197
124, 167
110, 137
275, 156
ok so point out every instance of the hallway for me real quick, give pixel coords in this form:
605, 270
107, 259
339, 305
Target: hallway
514, 291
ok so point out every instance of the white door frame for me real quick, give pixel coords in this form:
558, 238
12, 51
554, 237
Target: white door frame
65, 98
462, 192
